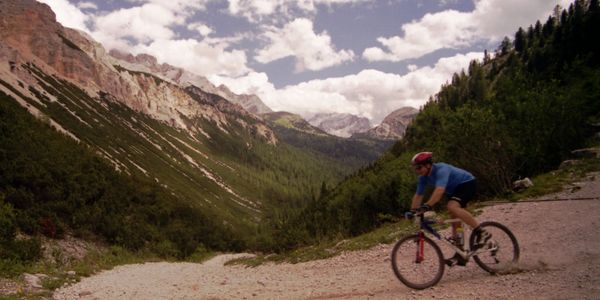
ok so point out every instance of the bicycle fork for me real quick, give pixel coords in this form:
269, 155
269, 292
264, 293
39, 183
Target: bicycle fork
420, 255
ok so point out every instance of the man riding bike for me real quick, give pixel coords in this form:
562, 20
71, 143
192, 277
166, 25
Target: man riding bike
458, 185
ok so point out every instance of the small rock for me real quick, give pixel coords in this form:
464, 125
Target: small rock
85, 293
522, 184
71, 273
32, 280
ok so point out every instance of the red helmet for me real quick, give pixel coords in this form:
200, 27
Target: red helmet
422, 158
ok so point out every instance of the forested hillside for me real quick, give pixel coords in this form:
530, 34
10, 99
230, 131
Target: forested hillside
52, 184
519, 112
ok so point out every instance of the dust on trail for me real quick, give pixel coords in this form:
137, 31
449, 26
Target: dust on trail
560, 259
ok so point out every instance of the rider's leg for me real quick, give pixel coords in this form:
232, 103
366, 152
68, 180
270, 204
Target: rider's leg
456, 211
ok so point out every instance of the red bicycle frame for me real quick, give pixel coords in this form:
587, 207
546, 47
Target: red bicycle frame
420, 248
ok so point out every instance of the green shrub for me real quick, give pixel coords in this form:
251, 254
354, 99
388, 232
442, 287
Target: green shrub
7, 222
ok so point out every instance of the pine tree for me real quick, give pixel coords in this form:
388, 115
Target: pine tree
505, 46
520, 42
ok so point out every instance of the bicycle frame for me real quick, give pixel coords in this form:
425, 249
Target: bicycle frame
426, 229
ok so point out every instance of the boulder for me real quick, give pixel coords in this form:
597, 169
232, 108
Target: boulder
34, 280
522, 184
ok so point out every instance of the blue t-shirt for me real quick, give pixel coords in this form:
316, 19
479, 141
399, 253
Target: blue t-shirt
444, 175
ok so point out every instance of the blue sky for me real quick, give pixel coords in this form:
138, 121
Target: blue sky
365, 57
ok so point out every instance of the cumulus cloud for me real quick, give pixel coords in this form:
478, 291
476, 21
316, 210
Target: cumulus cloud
149, 28
277, 10
140, 24
370, 93
250, 83
203, 58
453, 29
297, 39
68, 14
201, 28
182, 7
87, 5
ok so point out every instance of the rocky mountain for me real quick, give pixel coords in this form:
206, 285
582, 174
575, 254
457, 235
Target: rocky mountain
150, 121
294, 130
148, 63
342, 125
393, 125
292, 121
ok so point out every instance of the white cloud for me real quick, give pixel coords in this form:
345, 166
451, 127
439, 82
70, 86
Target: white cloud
251, 83
253, 10
277, 10
181, 7
67, 14
370, 93
87, 5
297, 39
149, 29
490, 21
201, 28
203, 58
142, 24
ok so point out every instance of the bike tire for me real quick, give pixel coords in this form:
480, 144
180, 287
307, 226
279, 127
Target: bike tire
408, 271
503, 255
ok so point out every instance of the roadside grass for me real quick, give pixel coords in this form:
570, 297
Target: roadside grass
555, 181
66, 271
386, 234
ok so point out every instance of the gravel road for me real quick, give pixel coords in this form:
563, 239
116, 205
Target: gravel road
560, 259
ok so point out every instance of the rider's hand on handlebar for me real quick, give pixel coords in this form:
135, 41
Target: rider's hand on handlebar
423, 208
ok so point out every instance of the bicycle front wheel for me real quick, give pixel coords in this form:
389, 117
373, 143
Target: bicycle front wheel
418, 262
500, 254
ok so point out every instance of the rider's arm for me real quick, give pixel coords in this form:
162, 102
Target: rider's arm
416, 201
436, 196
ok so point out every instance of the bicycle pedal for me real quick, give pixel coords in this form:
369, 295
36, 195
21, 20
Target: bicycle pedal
456, 260
451, 262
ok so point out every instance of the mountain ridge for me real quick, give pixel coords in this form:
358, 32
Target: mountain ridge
339, 124
393, 125
149, 63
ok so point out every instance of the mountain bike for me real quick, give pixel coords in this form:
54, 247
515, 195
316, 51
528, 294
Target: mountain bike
419, 263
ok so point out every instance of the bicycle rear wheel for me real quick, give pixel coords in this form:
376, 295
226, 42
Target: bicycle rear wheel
418, 262
501, 253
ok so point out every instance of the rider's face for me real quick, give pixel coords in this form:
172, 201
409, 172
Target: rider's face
422, 170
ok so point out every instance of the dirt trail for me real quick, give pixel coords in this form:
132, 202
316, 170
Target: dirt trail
560, 259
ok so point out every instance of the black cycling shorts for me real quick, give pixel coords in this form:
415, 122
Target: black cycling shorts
464, 193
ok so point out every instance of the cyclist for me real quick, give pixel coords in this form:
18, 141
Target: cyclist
458, 185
